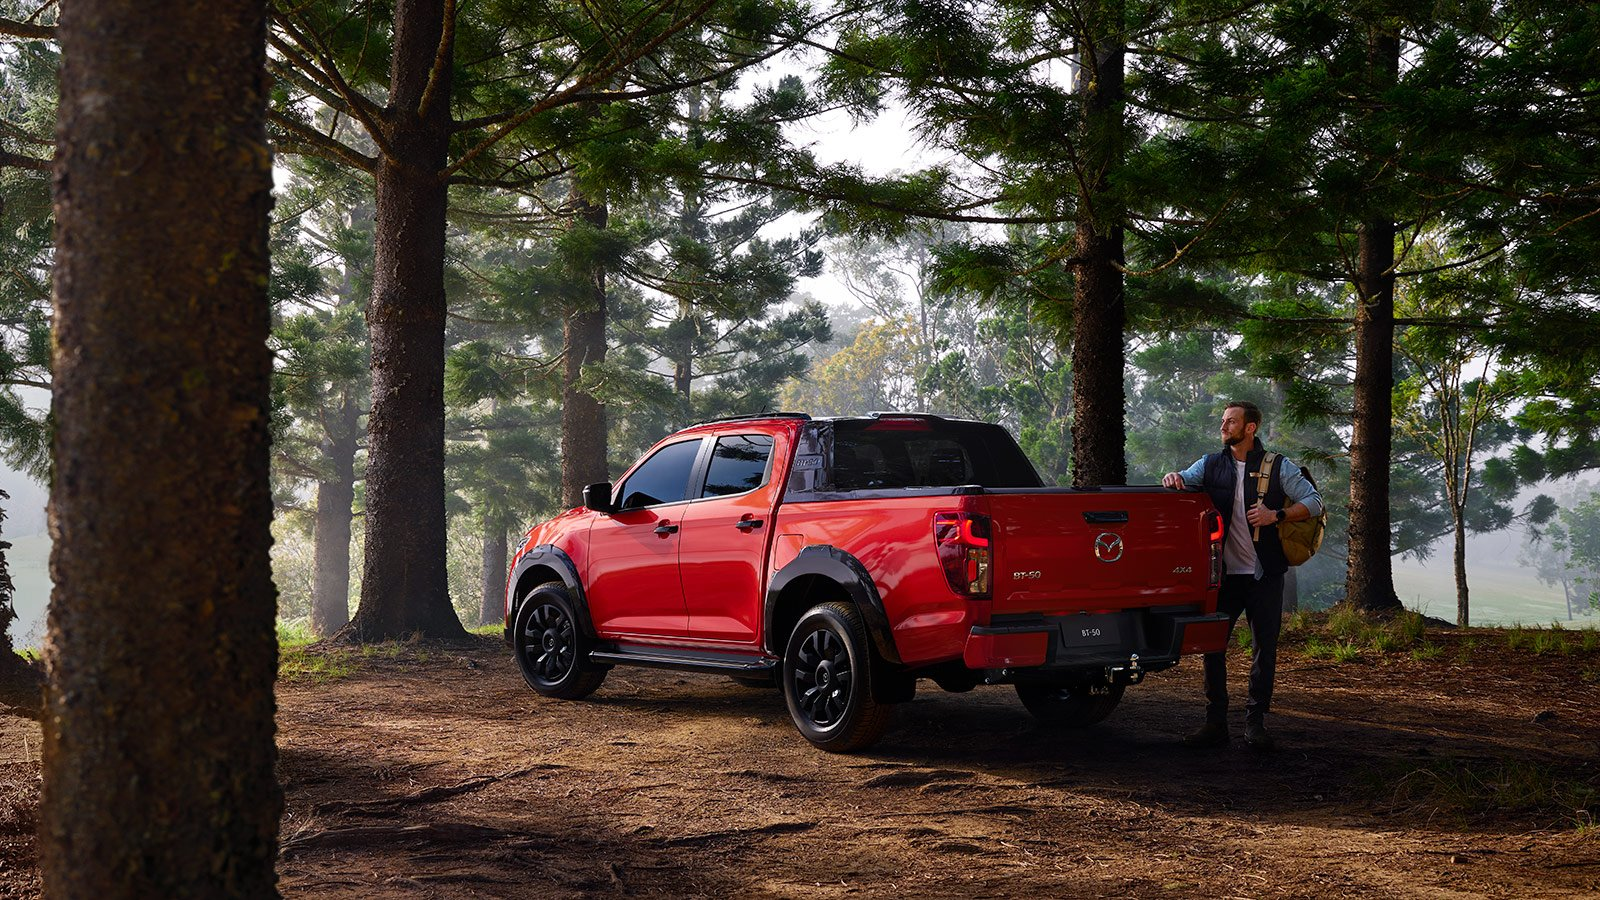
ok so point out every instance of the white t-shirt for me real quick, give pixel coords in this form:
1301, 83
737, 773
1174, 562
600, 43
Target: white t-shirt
1239, 553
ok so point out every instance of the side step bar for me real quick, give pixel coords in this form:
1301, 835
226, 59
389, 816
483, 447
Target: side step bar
685, 660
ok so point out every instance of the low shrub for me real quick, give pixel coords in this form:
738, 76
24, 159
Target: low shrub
1348, 651
1348, 622
1317, 648
295, 633
1427, 652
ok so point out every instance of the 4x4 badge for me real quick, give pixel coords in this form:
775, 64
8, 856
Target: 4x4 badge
1108, 547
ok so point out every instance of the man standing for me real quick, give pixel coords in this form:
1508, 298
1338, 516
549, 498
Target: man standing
1253, 558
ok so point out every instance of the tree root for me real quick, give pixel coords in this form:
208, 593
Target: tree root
369, 835
426, 795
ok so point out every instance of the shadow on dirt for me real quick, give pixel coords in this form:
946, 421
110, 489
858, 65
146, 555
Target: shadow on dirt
353, 827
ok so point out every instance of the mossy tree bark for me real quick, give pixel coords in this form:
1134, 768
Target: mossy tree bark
158, 742
583, 418
1099, 305
404, 587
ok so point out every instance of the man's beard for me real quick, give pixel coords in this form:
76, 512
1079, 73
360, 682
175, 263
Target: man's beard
1231, 441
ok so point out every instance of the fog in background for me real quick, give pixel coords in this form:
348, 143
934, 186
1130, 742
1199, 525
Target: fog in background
1503, 591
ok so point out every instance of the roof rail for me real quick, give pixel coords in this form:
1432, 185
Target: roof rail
748, 416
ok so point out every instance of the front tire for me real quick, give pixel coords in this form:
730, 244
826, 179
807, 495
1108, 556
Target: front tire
1070, 705
827, 680
552, 650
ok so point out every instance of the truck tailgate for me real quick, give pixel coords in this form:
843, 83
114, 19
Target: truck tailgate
1060, 551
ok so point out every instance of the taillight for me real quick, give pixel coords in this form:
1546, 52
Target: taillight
965, 548
1211, 523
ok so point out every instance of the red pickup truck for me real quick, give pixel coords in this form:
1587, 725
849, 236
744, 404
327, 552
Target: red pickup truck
847, 558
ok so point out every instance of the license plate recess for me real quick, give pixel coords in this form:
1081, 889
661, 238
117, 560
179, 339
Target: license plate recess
1092, 631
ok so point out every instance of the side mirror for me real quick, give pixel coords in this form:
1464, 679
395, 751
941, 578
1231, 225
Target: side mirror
598, 497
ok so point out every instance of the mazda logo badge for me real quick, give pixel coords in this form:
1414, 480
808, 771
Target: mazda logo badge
1108, 547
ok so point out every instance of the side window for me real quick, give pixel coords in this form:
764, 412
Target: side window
663, 478
738, 464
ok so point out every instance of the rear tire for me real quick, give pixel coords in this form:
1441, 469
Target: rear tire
552, 650
1070, 705
827, 680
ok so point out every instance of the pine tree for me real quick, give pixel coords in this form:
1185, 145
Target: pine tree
161, 506
322, 277
471, 99
1372, 161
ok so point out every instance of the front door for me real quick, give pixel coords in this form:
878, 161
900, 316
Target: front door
633, 587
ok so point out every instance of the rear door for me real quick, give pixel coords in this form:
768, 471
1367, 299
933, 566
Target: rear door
1065, 552
633, 587
726, 532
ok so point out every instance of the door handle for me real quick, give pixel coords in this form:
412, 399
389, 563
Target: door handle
747, 525
664, 528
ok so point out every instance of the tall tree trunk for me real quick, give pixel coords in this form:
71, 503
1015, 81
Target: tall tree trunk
1098, 302
404, 587
336, 495
583, 418
494, 569
158, 737
1462, 618
683, 365
691, 222
1370, 573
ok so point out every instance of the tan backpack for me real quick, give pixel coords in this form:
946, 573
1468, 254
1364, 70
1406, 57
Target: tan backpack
1300, 540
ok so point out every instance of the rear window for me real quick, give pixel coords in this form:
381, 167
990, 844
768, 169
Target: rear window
903, 453
738, 464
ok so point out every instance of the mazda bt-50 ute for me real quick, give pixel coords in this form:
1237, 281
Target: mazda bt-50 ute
848, 558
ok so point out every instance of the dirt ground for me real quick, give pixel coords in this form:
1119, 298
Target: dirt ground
434, 772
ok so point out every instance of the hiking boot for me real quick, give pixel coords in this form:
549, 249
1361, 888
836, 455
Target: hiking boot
1255, 734
1211, 734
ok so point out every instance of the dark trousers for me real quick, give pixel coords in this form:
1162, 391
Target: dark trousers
1262, 604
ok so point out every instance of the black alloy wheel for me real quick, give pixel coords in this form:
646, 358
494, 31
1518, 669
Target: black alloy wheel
1070, 705
823, 678
552, 651
827, 680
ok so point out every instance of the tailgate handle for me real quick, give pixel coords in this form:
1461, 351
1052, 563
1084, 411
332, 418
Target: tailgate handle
1105, 517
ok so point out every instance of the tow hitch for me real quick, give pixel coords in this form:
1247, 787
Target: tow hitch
1132, 673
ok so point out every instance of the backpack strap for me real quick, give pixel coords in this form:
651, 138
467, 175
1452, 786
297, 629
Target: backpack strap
1263, 479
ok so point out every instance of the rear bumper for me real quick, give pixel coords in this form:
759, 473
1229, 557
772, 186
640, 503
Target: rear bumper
1053, 645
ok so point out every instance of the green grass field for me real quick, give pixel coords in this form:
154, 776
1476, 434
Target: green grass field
1501, 591
1496, 596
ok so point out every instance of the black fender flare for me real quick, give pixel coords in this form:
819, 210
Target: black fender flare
551, 557
847, 572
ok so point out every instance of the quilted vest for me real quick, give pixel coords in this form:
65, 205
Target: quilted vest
1218, 482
